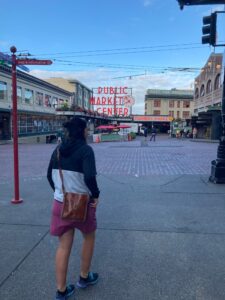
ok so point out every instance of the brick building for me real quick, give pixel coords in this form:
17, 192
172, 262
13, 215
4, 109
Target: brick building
174, 103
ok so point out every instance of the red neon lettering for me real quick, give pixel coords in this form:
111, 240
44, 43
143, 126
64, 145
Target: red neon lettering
120, 100
103, 100
92, 100
98, 101
98, 109
105, 90
109, 111
110, 101
125, 111
124, 90
120, 111
111, 90
99, 90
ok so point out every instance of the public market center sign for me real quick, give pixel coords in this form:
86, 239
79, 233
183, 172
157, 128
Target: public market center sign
112, 101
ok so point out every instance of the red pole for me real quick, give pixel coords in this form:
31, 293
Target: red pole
17, 199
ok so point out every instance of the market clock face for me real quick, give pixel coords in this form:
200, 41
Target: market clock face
128, 101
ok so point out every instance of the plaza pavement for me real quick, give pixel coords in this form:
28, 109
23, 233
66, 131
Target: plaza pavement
161, 224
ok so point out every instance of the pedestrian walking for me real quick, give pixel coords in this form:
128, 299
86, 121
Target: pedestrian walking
59, 136
145, 133
195, 132
153, 134
77, 163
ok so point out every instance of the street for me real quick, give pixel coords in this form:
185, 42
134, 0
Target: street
161, 224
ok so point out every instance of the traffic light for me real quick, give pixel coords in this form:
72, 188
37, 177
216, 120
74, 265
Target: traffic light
182, 3
209, 29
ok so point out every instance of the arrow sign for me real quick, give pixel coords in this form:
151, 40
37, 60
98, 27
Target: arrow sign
33, 62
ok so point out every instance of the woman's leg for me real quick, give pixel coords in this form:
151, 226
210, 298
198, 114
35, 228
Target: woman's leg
62, 258
87, 253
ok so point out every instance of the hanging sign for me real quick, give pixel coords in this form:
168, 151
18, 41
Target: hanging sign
112, 101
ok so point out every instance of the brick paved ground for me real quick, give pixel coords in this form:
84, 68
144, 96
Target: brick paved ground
164, 157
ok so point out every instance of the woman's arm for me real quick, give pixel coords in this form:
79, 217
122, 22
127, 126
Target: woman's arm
49, 173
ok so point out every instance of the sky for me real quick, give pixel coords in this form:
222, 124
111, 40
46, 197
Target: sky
141, 44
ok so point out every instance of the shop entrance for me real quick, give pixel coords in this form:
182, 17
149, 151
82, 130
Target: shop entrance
161, 127
5, 126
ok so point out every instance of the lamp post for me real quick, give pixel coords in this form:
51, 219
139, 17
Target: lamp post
17, 198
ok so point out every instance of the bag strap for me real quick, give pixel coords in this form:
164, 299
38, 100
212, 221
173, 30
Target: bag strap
60, 172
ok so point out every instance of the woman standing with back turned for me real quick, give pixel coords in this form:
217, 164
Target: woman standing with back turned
79, 172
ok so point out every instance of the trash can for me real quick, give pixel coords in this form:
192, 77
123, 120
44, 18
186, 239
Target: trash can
38, 139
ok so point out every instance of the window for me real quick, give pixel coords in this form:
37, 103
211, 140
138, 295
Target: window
196, 93
19, 95
186, 114
3, 90
171, 103
22, 123
39, 98
55, 102
171, 113
157, 103
217, 82
156, 112
47, 102
186, 104
209, 87
178, 114
178, 104
202, 91
29, 96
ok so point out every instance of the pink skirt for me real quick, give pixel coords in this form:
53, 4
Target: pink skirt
59, 226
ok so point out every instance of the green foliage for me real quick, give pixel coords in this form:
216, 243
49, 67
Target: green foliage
65, 106
133, 135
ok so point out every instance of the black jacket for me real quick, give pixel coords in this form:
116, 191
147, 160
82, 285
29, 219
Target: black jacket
79, 171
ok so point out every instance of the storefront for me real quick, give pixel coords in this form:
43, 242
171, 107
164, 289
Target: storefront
5, 131
208, 124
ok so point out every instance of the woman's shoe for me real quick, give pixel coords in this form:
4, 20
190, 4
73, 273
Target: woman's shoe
90, 280
70, 289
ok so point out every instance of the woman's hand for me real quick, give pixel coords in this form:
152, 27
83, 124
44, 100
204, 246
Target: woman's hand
94, 203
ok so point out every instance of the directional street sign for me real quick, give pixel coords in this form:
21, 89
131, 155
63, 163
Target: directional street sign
33, 62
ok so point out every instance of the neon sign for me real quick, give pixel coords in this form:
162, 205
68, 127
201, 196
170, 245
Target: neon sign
112, 100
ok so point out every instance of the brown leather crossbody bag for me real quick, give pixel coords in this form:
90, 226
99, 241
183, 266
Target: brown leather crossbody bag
74, 204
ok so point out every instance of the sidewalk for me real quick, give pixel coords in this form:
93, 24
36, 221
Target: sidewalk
159, 237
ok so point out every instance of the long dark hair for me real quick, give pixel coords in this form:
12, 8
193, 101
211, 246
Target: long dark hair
75, 128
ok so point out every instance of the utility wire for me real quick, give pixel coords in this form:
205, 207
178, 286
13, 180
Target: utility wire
116, 49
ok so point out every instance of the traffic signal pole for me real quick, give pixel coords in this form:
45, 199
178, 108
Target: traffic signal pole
17, 198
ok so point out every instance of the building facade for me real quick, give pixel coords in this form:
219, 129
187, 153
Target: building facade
174, 103
81, 93
208, 87
37, 101
208, 99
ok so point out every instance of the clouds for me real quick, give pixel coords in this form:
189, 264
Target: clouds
147, 3
139, 84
